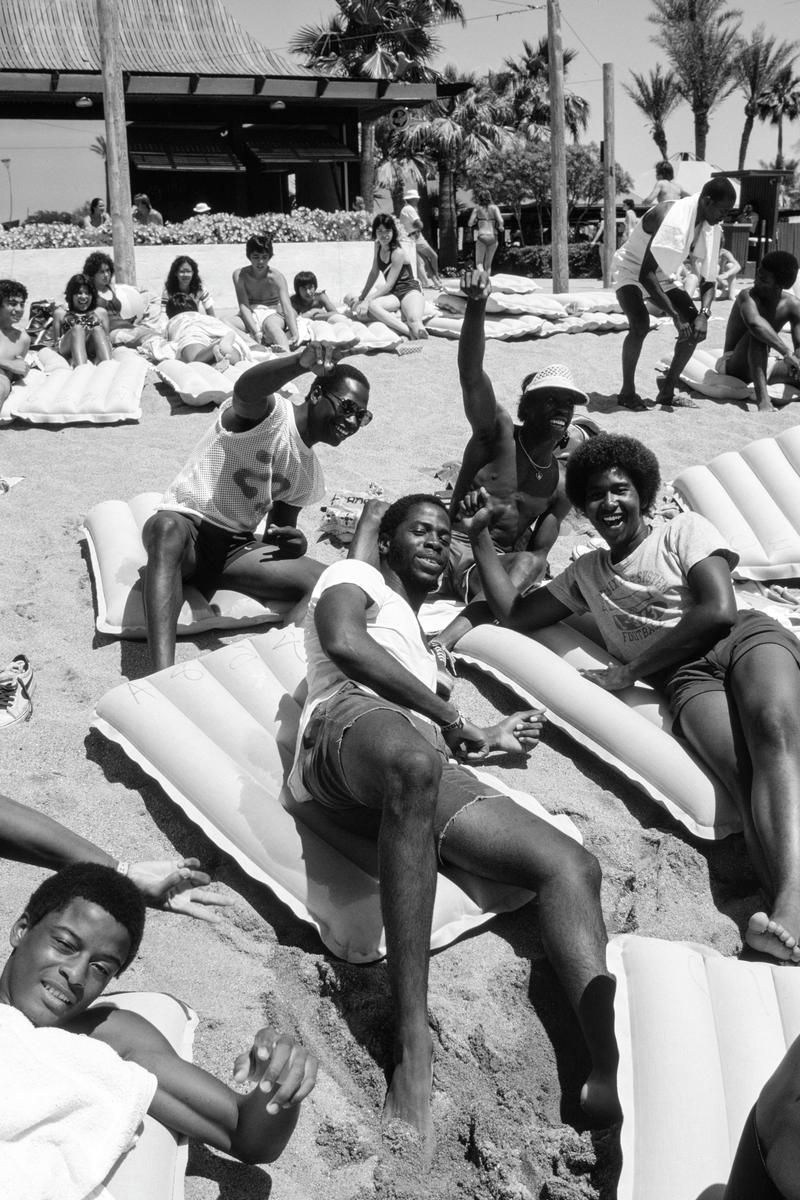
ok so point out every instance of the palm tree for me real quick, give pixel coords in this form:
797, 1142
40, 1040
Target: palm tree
457, 131
99, 146
657, 95
757, 64
376, 39
779, 103
700, 38
524, 83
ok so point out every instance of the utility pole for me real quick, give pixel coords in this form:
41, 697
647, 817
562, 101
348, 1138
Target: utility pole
609, 174
119, 182
558, 157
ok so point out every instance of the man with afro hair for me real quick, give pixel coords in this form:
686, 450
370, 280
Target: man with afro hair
758, 315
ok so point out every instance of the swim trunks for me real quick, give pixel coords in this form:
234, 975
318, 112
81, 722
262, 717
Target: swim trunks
710, 672
323, 775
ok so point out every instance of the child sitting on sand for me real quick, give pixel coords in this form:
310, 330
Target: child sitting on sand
264, 305
81, 332
14, 342
307, 300
183, 278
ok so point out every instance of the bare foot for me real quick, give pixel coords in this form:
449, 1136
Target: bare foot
408, 1098
419, 332
599, 1099
766, 406
771, 938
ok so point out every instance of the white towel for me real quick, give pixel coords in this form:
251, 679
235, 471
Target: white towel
70, 1107
676, 241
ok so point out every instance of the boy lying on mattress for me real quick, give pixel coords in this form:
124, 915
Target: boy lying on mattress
80, 930
664, 603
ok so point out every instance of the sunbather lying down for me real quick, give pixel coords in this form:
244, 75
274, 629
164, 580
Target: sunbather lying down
199, 338
665, 607
80, 930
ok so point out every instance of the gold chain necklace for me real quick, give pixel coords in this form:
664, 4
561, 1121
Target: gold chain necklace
537, 470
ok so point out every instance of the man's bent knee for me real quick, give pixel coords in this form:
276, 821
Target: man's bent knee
165, 536
413, 775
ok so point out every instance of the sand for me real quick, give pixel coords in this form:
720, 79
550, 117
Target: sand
508, 1055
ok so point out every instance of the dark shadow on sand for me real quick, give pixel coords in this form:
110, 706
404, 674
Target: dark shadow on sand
236, 1181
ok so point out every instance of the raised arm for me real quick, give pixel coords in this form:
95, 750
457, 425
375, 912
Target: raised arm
254, 391
253, 1128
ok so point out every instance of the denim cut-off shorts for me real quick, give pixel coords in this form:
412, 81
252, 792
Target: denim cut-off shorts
325, 779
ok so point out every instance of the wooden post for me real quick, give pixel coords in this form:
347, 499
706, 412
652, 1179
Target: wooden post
609, 174
119, 181
558, 159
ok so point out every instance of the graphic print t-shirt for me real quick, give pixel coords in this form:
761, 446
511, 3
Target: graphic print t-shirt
635, 601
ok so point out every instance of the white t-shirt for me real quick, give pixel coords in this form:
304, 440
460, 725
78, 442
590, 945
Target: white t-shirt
234, 479
390, 621
408, 219
636, 600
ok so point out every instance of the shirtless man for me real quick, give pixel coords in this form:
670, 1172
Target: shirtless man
637, 275
664, 189
14, 343
263, 295
516, 464
80, 930
757, 316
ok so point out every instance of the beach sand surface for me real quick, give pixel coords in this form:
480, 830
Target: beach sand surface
508, 1057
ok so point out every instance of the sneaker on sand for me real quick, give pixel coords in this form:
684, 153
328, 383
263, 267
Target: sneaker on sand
408, 347
16, 686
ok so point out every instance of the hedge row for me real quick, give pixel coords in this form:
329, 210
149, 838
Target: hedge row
301, 225
583, 261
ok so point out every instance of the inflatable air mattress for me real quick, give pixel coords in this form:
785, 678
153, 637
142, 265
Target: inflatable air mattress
98, 395
113, 531
155, 1167
218, 733
753, 497
698, 1036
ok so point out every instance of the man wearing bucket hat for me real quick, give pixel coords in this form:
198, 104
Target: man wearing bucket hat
517, 464
411, 225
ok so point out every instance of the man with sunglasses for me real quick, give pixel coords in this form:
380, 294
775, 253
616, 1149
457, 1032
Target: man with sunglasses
517, 464
256, 461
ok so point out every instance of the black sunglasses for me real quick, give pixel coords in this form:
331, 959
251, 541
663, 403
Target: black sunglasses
346, 408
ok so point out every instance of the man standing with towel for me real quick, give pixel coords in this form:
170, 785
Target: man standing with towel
666, 237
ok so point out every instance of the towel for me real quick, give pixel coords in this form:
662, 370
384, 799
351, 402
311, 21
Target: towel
676, 241
70, 1107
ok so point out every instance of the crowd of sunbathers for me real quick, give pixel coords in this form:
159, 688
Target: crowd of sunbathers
382, 746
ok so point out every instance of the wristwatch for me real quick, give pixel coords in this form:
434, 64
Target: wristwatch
705, 312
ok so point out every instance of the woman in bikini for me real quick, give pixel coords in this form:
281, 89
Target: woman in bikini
486, 216
391, 288
81, 332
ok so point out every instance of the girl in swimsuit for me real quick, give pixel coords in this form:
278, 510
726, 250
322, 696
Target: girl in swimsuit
486, 216
398, 292
183, 278
100, 270
82, 331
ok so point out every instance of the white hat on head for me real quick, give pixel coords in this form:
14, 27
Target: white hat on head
556, 378
411, 194
201, 208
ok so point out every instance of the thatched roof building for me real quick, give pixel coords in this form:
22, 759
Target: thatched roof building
204, 99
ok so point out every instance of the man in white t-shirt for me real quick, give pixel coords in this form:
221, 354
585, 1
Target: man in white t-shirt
374, 749
411, 225
255, 461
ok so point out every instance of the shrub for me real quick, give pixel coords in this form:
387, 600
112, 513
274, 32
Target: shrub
301, 225
583, 261
48, 216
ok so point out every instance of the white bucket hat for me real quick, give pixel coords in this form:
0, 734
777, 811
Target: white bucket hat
201, 208
411, 194
556, 378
